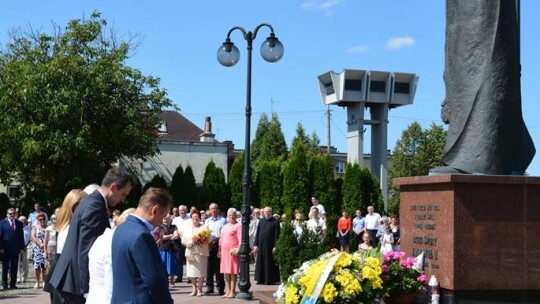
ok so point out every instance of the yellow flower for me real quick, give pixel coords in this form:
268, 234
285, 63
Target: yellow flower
373, 262
329, 292
291, 295
312, 275
349, 282
343, 261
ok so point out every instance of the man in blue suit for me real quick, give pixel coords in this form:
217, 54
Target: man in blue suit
139, 275
70, 276
11, 245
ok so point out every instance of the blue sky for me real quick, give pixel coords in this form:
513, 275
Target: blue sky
179, 40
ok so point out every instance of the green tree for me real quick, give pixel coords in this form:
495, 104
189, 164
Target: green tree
322, 179
256, 145
415, 153
269, 143
176, 184
214, 188
352, 192
270, 184
287, 251
157, 181
134, 196
70, 107
300, 136
189, 191
360, 189
4, 201
235, 181
296, 181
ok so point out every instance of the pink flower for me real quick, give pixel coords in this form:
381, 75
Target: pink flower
385, 268
422, 278
399, 254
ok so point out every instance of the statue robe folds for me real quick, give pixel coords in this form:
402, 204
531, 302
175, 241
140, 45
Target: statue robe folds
486, 133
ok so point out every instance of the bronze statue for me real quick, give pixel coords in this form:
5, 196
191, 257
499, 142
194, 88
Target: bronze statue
486, 133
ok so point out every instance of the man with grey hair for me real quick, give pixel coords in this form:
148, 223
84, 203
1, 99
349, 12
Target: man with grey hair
23, 257
373, 222
215, 223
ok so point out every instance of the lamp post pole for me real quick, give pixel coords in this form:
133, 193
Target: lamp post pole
228, 55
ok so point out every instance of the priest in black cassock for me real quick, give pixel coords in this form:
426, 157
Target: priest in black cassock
266, 269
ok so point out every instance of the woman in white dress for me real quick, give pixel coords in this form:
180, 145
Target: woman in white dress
387, 239
196, 254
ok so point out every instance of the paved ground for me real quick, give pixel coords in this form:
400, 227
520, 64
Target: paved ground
27, 295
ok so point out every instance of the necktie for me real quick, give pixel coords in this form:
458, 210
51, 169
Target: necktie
12, 226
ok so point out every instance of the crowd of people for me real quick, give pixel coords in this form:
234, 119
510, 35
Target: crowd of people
84, 253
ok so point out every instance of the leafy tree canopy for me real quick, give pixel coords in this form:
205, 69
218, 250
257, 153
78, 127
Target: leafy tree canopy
70, 107
415, 153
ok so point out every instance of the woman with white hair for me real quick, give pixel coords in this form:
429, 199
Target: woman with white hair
229, 246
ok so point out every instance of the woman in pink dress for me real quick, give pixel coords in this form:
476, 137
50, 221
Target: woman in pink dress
229, 246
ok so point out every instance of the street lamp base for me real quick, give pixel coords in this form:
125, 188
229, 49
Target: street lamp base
244, 296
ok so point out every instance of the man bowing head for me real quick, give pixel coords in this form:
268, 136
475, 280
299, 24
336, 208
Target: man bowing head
139, 275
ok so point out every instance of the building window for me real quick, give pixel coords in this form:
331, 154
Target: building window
162, 128
13, 192
340, 167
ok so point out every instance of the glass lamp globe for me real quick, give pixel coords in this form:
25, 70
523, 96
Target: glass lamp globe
228, 54
272, 50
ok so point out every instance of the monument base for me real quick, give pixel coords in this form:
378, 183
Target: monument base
479, 234
490, 296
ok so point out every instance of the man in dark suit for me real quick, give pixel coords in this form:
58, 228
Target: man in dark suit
139, 275
11, 245
70, 276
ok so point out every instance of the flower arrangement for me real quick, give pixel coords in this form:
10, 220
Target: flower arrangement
400, 275
201, 237
334, 277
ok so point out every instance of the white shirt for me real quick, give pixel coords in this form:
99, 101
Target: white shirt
312, 224
27, 232
322, 212
51, 245
61, 239
100, 269
373, 221
180, 222
253, 223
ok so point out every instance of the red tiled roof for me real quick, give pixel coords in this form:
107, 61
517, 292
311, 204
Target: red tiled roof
179, 128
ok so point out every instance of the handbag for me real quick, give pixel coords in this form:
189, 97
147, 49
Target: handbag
30, 251
190, 257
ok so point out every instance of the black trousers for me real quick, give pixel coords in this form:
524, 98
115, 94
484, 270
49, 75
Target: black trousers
181, 258
10, 264
357, 240
213, 269
373, 236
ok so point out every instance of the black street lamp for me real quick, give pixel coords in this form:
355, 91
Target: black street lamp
228, 55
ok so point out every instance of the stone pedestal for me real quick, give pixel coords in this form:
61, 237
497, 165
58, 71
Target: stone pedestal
480, 234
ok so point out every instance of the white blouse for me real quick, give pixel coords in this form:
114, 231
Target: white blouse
100, 269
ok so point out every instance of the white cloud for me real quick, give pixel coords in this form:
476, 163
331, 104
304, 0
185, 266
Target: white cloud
358, 49
324, 5
396, 43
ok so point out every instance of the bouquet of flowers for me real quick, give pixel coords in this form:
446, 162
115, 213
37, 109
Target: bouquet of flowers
201, 237
400, 275
334, 277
